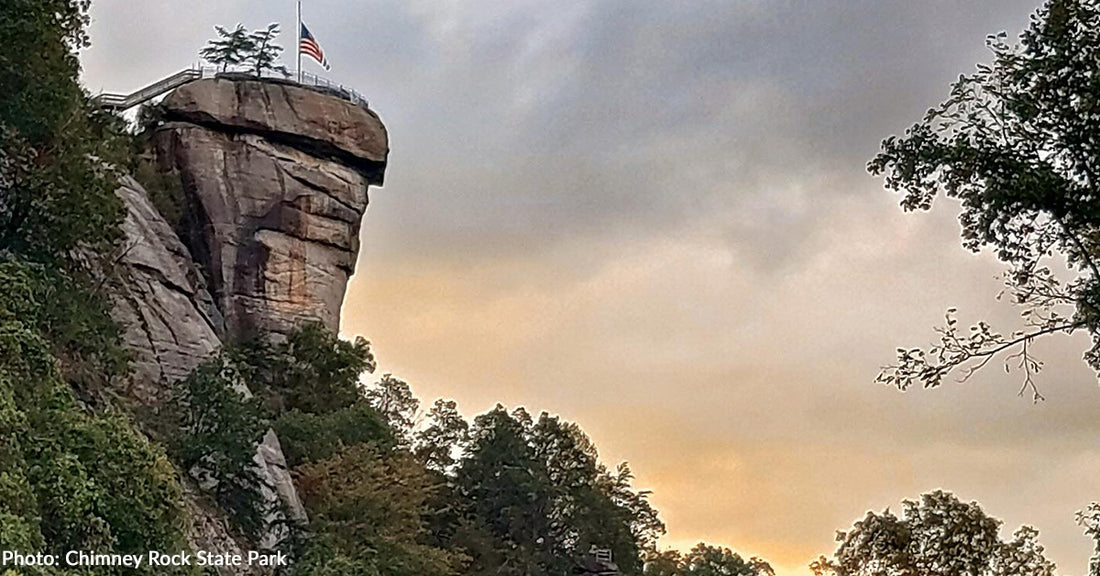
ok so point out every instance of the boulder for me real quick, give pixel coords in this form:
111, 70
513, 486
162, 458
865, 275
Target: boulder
281, 111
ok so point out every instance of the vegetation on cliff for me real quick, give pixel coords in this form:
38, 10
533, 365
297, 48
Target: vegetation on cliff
74, 472
389, 492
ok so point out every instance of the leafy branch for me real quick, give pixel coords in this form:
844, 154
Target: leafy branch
970, 352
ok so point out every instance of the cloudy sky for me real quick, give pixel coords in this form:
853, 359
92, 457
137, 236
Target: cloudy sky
653, 218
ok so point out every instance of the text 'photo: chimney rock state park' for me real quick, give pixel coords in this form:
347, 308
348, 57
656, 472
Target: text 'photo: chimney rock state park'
550, 288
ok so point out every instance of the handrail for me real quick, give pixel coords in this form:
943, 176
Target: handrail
123, 102
312, 81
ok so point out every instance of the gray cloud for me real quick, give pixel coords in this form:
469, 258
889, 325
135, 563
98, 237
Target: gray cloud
519, 124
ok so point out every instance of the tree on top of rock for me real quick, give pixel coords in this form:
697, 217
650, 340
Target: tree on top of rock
264, 52
255, 51
231, 48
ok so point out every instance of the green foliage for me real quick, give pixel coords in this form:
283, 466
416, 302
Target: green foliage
312, 371
164, 187
394, 400
255, 51
149, 118
368, 509
54, 193
40, 65
165, 190
509, 495
93, 469
524, 498
306, 387
63, 306
705, 560
1089, 519
446, 432
1015, 144
369, 502
230, 48
220, 426
591, 506
70, 479
937, 536
1022, 556
307, 438
537, 499
264, 53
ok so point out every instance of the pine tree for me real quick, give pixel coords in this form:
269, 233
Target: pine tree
230, 48
263, 52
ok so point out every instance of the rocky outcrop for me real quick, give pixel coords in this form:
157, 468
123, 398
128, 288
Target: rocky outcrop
170, 321
284, 112
275, 182
276, 178
170, 326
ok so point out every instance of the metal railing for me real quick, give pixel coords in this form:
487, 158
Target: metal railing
123, 102
341, 91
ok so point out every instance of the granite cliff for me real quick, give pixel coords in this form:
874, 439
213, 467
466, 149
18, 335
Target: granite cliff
274, 179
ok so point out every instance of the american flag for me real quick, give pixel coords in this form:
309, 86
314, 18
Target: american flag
308, 45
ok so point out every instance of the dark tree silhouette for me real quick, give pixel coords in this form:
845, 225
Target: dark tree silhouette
1018, 144
230, 48
936, 536
263, 52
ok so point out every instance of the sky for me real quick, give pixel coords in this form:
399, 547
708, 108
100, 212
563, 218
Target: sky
653, 218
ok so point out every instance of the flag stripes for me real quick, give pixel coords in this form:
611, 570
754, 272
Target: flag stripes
309, 46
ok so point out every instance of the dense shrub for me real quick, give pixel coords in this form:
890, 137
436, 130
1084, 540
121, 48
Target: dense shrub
368, 512
69, 478
312, 370
219, 424
308, 438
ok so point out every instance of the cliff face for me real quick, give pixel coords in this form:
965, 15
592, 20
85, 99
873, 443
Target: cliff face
276, 177
275, 182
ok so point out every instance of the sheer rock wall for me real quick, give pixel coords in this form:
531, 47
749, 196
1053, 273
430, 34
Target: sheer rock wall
276, 177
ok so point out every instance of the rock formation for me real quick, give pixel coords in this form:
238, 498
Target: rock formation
275, 181
276, 177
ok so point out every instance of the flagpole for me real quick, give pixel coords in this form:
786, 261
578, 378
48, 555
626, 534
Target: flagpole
298, 47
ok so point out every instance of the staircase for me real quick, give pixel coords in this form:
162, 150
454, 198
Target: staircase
122, 102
